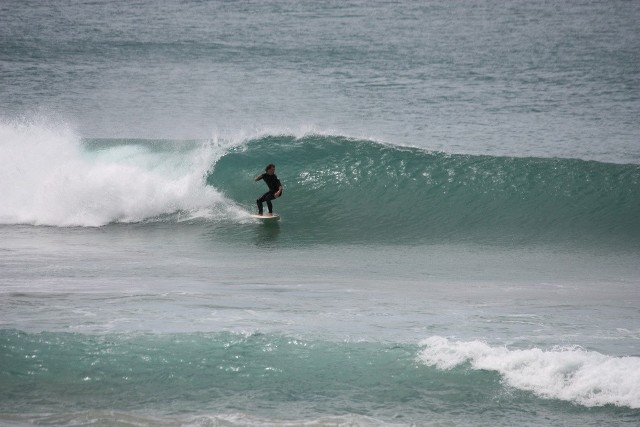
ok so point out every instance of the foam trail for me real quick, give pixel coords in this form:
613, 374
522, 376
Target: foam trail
48, 178
571, 374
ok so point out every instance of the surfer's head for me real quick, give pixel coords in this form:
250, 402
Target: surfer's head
270, 169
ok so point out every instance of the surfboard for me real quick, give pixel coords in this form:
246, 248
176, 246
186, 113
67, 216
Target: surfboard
274, 217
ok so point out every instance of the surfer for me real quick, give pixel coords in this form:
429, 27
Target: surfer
275, 188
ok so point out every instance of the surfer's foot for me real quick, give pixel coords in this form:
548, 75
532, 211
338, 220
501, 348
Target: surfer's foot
270, 214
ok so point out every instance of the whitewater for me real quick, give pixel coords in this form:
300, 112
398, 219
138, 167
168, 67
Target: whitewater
459, 241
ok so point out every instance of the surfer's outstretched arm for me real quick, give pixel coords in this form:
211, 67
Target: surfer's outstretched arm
258, 178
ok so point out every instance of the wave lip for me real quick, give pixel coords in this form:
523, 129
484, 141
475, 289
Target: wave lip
571, 374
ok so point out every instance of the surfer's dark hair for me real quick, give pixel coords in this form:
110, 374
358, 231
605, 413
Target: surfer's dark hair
269, 166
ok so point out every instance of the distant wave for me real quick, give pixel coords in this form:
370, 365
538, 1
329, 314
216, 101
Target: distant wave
572, 374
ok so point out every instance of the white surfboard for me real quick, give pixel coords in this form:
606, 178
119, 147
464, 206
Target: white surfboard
274, 217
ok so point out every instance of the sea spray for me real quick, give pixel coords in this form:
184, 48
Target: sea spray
50, 176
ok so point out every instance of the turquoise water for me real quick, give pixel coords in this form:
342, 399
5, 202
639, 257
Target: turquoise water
459, 242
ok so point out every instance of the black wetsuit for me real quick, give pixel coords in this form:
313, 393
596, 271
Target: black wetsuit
274, 185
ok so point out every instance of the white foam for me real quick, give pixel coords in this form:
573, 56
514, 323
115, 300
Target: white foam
48, 178
572, 374
233, 419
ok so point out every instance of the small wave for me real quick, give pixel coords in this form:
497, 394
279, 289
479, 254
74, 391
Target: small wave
311, 380
571, 374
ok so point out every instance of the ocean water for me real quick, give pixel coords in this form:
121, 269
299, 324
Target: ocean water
460, 232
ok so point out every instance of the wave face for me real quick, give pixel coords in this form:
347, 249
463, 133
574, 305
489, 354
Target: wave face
361, 190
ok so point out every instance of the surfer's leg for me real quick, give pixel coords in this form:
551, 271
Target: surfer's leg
266, 197
260, 201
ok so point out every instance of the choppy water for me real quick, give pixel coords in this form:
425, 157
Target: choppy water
460, 232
